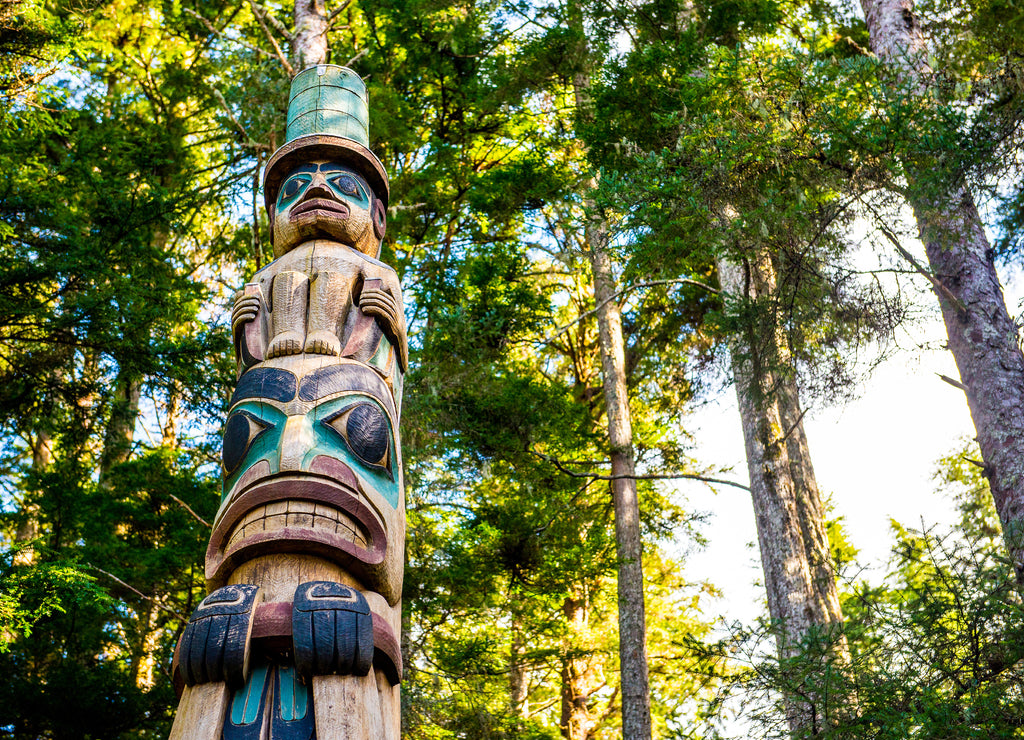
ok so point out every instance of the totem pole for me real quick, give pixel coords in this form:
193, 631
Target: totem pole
298, 637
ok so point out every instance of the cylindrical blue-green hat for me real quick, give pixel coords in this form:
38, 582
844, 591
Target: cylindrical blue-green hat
328, 118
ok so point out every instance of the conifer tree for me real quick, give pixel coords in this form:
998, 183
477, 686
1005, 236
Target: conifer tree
983, 337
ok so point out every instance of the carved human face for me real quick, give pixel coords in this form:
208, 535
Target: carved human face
312, 465
325, 200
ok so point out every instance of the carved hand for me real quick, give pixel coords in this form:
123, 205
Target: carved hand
246, 309
377, 300
332, 630
215, 644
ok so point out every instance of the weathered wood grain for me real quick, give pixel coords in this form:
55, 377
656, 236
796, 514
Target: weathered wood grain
348, 707
201, 712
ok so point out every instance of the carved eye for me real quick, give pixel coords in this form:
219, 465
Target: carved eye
380, 219
366, 432
241, 431
294, 186
346, 184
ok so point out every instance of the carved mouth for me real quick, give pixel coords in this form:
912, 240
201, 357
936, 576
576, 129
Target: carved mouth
292, 514
339, 210
297, 514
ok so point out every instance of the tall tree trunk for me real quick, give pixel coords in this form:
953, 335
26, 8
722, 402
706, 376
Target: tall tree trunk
518, 677
309, 45
575, 722
28, 527
809, 505
117, 442
636, 699
802, 597
983, 337
140, 668
172, 411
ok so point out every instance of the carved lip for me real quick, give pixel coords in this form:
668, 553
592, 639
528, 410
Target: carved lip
334, 207
357, 540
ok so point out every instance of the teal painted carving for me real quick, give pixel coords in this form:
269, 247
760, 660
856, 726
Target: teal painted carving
329, 100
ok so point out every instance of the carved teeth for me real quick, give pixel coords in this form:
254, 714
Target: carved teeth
299, 515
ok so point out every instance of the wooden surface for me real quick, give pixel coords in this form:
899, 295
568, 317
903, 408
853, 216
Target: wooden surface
201, 712
348, 707
321, 349
390, 706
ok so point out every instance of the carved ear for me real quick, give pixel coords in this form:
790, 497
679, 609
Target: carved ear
270, 221
380, 219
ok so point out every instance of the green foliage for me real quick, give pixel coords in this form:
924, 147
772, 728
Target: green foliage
110, 185
129, 213
30, 594
935, 650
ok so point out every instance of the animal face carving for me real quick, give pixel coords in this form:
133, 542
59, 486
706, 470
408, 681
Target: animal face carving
328, 200
304, 565
312, 464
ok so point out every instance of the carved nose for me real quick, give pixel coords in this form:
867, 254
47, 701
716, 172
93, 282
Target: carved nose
318, 188
296, 441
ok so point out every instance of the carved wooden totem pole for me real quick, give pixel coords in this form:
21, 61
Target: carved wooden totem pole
298, 638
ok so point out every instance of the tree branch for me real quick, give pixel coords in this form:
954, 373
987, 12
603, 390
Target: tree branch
936, 283
628, 289
278, 26
358, 55
668, 476
273, 42
246, 139
338, 11
190, 511
137, 592
213, 29
952, 382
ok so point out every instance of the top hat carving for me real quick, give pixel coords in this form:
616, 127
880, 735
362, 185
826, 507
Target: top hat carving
328, 119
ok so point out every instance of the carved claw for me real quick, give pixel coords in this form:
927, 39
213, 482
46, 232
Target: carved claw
246, 309
332, 630
286, 343
323, 343
246, 329
215, 644
377, 300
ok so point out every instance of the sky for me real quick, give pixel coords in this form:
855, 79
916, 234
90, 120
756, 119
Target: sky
874, 456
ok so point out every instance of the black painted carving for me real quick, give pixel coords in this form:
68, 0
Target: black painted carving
332, 630
349, 377
266, 382
240, 432
213, 646
368, 433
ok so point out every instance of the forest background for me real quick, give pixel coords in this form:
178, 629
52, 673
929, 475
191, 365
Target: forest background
675, 196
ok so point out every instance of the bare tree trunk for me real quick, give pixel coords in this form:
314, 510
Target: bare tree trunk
809, 505
28, 528
139, 668
309, 45
636, 699
518, 677
983, 337
636, 706
577, 722
802, 597
172, 413
117, 442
